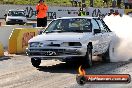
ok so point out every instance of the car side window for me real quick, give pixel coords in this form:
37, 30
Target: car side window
105, 26
103, 29
94, 24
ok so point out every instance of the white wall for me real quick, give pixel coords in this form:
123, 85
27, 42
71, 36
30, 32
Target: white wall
102, 12
53, 12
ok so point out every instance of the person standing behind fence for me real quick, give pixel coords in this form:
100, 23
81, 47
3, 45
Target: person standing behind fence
114, 3
72, 2
105, 2
79, 3
82, 12
41, 9
111, 12
119, 3
126, 4
75, 3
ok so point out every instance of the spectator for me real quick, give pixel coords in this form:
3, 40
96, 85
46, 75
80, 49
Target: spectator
75, 2
91, 3
41, 10
72, 2
111, 12
82, 12
105, 2
116, 13
114, 3
79, 3
126, 4
119, 3
83, 5
130, 4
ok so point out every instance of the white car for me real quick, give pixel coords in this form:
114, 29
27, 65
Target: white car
16, 17
72, 38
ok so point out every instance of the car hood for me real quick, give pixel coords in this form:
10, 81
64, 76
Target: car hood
59, 37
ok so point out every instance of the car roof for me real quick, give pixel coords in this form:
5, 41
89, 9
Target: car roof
86, 17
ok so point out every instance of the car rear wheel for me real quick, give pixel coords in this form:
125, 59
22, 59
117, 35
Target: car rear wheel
106, 57
88, 57
109, 54
35, 62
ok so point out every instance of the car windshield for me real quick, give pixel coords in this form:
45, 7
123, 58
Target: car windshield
70, 25
16, 13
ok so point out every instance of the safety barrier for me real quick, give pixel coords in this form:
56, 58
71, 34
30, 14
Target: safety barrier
1, 50
128, 11
18, 40
5, 32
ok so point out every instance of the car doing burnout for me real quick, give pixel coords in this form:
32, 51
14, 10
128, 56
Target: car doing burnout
72, 38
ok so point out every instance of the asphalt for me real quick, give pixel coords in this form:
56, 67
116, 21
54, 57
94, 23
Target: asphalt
16, 71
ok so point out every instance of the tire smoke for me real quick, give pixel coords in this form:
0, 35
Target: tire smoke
122, 26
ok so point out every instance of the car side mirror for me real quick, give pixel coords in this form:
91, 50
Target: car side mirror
5, 15
97, 31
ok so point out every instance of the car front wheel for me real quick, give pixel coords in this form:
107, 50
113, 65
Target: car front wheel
35, 62
88, 57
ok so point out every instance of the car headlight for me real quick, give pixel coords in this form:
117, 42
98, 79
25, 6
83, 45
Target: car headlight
35, 44
71, 44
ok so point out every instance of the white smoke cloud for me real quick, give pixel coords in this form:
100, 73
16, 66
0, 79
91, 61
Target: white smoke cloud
122, 26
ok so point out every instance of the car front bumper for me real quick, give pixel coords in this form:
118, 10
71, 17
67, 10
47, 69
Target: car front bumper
55, 53
15, 22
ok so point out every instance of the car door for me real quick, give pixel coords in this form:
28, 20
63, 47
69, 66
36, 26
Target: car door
105, 35
96, 38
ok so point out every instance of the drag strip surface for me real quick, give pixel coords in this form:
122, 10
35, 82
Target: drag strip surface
17, 72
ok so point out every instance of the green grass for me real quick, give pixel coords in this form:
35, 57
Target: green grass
97, 3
